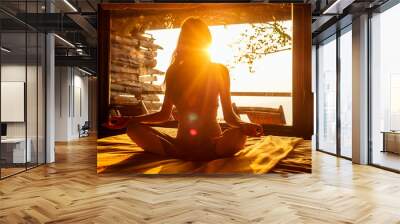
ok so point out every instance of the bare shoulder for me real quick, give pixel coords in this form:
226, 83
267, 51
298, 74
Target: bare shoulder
221, 68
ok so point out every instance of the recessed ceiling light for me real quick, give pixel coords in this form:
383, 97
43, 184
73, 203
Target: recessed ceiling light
70, 5
338, 6
84, 71
65, 41
5, 50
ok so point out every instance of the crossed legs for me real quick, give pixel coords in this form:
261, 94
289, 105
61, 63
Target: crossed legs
231, 141
149, 139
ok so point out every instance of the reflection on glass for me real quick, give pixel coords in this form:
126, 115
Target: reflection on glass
23, 85
385, 84
346, 94
327, 96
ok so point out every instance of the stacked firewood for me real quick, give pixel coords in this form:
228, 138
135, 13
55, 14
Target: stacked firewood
132, 71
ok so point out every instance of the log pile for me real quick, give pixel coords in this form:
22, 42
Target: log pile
132, 72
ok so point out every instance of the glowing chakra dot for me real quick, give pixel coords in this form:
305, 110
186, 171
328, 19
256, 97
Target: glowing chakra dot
193, 132
192, 117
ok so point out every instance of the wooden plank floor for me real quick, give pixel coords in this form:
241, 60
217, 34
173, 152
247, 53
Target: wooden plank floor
70, 191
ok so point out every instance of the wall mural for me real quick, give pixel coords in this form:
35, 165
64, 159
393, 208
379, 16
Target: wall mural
204, 88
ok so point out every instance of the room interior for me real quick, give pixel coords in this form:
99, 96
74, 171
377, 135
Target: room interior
53, 86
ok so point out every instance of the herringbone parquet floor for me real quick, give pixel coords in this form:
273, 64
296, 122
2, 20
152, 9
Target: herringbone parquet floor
70, 191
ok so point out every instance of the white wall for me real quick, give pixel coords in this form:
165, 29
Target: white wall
12, 73
61, 114
80, 84
71, 102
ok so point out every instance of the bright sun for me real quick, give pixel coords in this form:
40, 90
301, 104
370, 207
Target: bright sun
211, 52
221, 51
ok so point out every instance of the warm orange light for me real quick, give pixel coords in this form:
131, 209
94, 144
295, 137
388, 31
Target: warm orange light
193, 117
193, 132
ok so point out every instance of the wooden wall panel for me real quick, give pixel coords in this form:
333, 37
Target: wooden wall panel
302, 92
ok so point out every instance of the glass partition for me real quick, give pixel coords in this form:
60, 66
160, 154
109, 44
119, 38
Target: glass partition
15, 151
22, 100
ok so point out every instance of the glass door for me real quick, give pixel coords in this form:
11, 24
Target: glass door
14, 145
22, 76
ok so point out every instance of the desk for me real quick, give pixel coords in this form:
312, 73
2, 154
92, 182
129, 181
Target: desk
391, 141
13, 150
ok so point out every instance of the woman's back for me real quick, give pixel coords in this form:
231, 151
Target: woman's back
194, 90
193, 85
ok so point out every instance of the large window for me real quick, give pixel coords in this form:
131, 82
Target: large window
345, 93
327, 96
385, 89
334, 94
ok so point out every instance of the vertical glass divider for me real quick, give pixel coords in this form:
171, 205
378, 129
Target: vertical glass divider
26, 86
317, 97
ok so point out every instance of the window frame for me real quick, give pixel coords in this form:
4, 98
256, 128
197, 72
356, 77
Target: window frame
333, 33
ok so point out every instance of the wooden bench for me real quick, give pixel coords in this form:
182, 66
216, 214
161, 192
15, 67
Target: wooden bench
263, 115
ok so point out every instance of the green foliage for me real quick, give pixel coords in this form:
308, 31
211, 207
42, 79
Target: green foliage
259, 40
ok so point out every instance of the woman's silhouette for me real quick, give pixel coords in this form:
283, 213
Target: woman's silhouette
193, 85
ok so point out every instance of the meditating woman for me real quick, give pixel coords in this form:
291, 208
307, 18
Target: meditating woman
193, 84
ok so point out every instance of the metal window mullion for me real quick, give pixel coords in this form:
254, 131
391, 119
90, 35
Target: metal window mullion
37, 91
369, 95
26, 88
317, 96
338, 95
45, 94
45, 87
